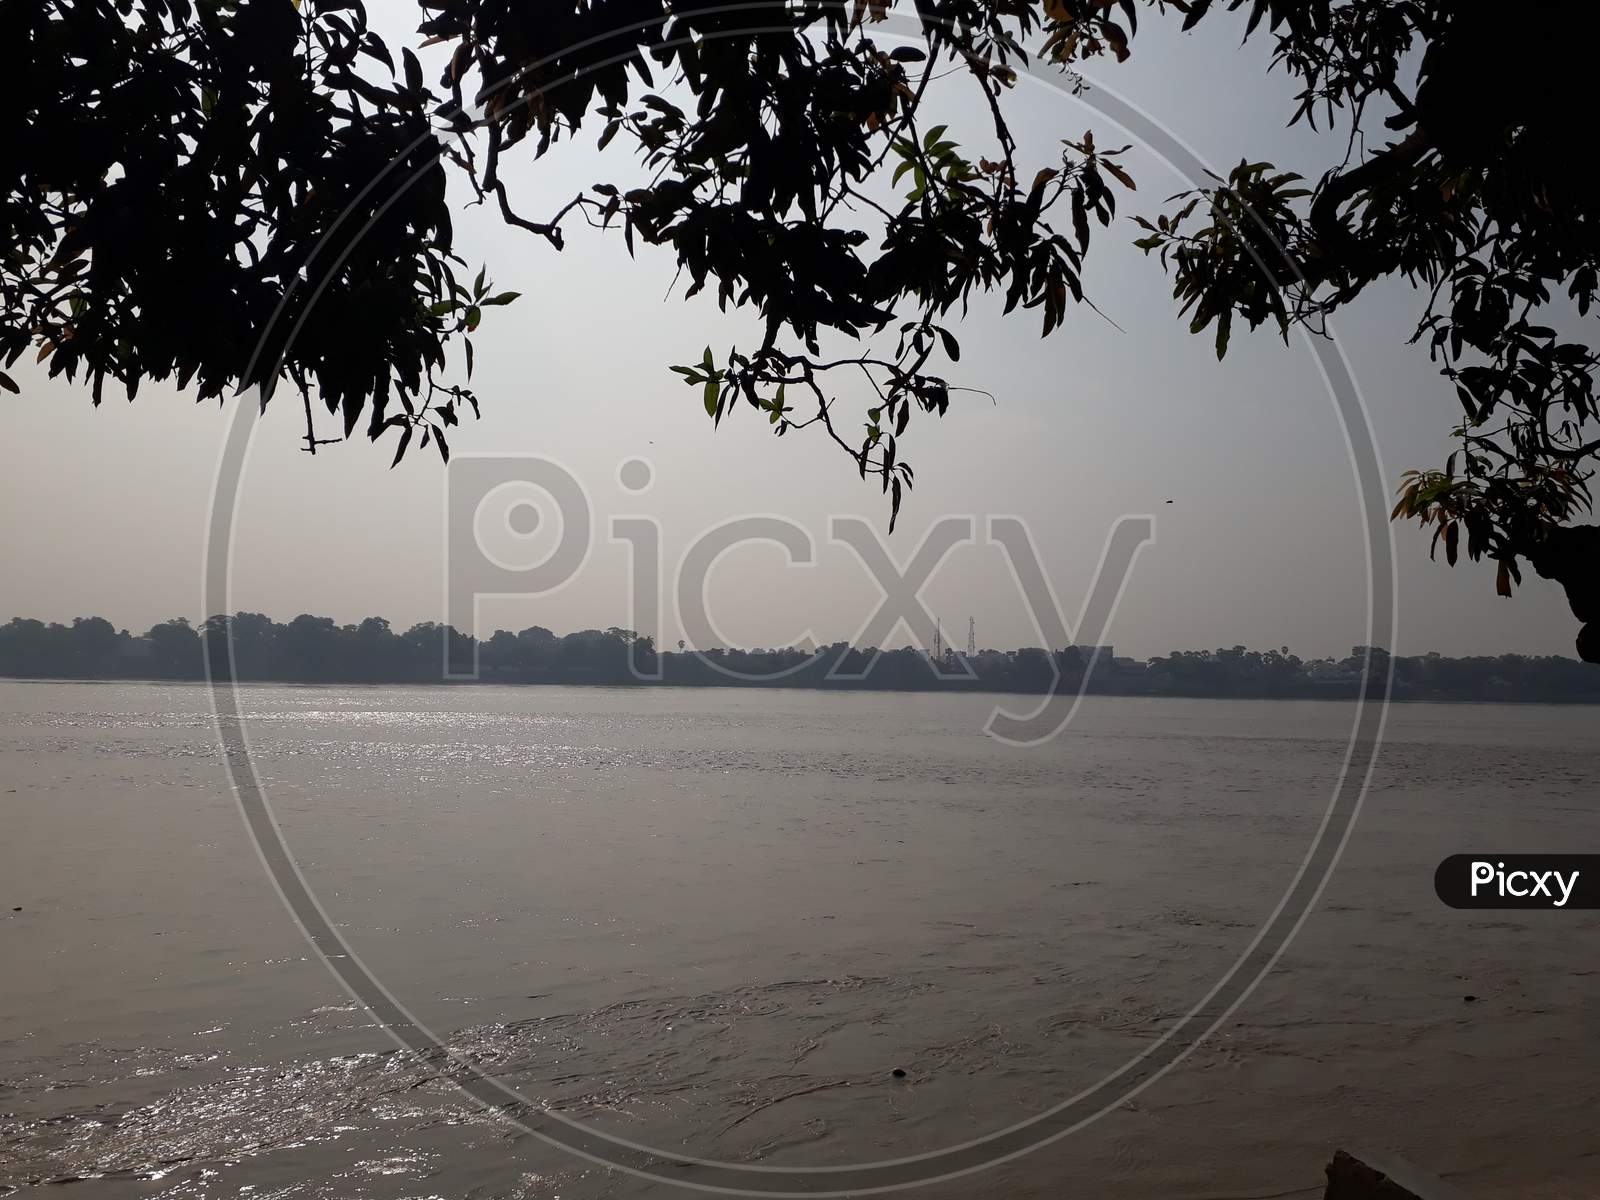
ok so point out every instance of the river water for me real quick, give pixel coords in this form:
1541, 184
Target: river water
719, 921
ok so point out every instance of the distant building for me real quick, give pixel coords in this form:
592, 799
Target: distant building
1323, 669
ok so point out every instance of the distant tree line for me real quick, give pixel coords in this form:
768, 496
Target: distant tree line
313, 649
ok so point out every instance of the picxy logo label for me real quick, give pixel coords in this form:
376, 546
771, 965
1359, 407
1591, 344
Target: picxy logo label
1519, 881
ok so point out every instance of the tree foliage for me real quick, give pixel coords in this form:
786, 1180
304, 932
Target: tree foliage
208, 193
193, 178
1477, 203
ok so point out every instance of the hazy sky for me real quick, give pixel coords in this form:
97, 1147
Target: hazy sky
1262, 546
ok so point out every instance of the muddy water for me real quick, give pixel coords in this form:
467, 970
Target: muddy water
719, 921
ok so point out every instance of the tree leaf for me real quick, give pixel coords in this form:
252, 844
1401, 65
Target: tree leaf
1118, 174
405, 440
1502, 579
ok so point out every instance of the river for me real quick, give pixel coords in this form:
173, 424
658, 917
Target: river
719, 921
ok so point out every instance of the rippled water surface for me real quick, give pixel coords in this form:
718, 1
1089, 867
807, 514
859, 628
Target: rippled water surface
718, 921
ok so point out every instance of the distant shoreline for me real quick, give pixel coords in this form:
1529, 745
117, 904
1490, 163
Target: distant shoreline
310, 650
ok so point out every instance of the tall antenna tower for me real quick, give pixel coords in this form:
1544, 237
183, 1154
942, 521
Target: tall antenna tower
972, 637
938, 640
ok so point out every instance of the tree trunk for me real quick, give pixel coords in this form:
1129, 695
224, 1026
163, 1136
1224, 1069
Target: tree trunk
1571, 557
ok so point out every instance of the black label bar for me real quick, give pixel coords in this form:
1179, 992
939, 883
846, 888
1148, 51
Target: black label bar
1558, 881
